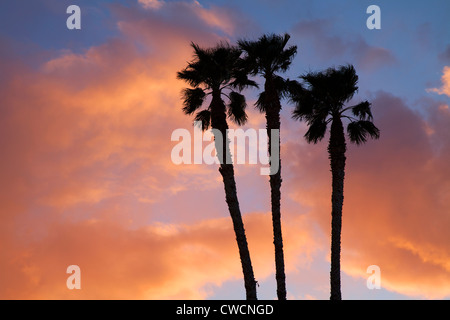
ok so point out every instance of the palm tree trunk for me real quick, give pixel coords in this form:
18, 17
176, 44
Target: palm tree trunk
227, 173
273, 108
226, 169
336, 150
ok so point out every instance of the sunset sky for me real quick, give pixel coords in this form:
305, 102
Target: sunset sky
86, 176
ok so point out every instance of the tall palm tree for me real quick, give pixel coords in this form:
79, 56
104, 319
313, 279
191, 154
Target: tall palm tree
212, 73
266, 57
322, 102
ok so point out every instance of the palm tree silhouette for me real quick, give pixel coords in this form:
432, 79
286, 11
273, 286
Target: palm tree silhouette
319, 104
266, 57
212, 72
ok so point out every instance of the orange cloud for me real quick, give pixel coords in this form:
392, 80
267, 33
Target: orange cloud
445, 88
160, 261
215, 17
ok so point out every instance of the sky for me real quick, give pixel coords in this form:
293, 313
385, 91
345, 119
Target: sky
86, 175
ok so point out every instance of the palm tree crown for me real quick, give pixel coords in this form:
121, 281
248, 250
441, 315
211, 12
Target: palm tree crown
212, 72
267, 57
323, 101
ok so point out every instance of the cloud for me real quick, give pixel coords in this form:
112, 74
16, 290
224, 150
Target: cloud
395, 198
216, 17
151, 4
159, 261
444, 56
370, 57
188, 17
445, 79
318, 35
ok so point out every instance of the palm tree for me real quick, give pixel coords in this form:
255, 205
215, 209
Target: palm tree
212, 73
266, 57
320, 103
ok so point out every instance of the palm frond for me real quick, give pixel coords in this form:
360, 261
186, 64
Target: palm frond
284, 87
201, 54
260, 103
285, 58
236, 108
294, 90
204, 117
249, 64
359, 131
362, 111
305, 104
190, 75
241, 80
192, 99
316, 131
